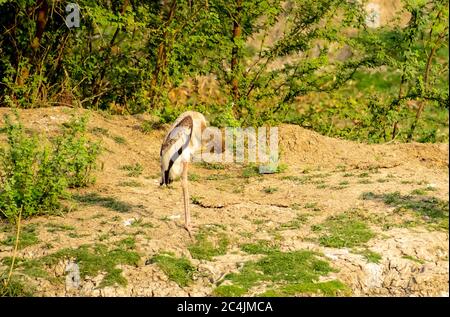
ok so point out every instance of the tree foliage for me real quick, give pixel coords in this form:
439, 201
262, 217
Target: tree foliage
130, 56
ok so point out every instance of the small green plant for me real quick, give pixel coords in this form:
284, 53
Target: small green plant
119, 139
179, 270
250, 171
261, 247
196, 200
133, 170
14, 287
148, 126
418, 191
107, 202
412, 258
281, 168
77, 152
28, 236
370, 256
35, 173
217, 177
92, 259
55, 227
270, 190
284, 273
432, 210
212, 166
344, 230
140, 223
193, 177
207, 246
100, 131
295, 223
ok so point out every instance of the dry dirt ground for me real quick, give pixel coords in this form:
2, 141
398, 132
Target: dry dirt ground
324, 177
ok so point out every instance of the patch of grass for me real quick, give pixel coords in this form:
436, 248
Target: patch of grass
281, 168
15, 287
229, 291
179, 270
212, 166
119, 139
140, 223
370, 256
196, 200
423, 191
258, 221
299, 180
329, 289
414, 259
131, 183
270, 190
246, 234
193, 177
343, 183
339, 187
432, 209
312, 206
107, 202
133, 170
148, 126
55, 227
364, 181
344, 230
348, 175
92, 260
74, 235
365, 174
295, 206
217, 177
116, 218
207, 246
250, 171
238, 189
295, 223
291, 273
418, 191
28, 236
100, 131
261, 247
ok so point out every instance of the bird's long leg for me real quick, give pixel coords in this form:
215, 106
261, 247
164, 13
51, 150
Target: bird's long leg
184, 184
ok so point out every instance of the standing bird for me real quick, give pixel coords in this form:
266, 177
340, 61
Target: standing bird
181, 142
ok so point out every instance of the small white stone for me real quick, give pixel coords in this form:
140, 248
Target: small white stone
129, 222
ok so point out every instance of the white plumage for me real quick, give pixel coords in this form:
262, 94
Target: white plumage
182, 141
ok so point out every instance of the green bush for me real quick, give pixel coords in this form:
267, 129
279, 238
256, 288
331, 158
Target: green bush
35, 172
76, 154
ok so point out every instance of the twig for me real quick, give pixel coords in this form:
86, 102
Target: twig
15, 248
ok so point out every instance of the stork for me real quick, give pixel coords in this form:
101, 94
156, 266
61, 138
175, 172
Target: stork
181, 142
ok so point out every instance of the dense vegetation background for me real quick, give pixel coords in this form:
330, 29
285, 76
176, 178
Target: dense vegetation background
329, 65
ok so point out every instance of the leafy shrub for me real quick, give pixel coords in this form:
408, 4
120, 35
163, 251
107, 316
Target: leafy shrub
35, 173
77, 153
